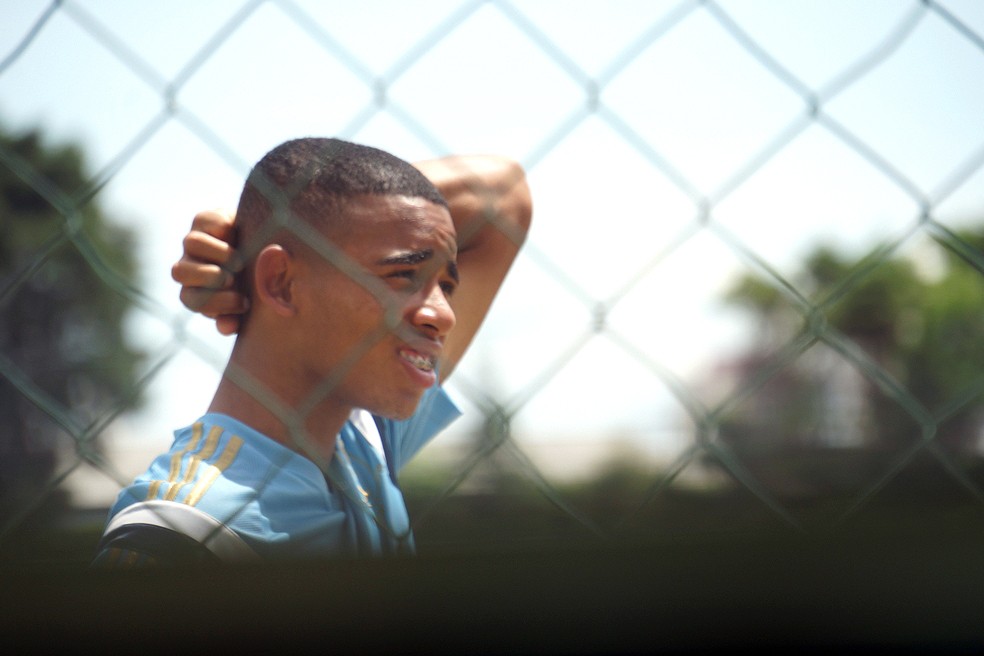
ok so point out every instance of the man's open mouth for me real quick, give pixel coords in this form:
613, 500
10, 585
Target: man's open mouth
418, 360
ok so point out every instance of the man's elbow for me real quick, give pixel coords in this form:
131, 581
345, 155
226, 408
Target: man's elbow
517, 202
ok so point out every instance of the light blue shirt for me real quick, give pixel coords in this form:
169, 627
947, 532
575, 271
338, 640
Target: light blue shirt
280, 503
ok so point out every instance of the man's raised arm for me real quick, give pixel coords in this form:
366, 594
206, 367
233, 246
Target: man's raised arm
491, 209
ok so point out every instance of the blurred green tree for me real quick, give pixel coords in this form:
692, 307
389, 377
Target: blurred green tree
892, 353
65, 366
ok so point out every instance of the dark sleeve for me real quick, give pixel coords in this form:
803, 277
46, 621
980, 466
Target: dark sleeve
134, 546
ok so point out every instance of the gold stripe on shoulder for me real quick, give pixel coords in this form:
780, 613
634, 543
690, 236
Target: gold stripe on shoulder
208, 450
196, 435
212, 472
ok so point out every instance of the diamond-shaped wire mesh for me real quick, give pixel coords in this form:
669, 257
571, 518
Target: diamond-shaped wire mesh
673, 149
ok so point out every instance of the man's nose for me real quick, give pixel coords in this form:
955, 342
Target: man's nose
434, 313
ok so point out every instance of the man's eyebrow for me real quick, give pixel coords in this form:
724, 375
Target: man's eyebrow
411, 258
408, 257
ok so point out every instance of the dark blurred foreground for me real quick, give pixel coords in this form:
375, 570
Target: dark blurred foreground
813, 567
894, 588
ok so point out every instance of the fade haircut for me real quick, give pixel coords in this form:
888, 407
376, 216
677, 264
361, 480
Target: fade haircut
311, 180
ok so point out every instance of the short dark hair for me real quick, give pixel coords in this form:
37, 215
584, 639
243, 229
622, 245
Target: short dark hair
312, 178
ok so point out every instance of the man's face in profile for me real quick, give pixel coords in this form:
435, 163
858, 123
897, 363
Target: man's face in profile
363, 352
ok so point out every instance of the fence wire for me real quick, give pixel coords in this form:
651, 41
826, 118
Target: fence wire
812, 342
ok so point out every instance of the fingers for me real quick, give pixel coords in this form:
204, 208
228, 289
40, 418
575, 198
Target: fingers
214, 304
209, 252
227, 324
199, 245
192, 273
206, 270
217, 223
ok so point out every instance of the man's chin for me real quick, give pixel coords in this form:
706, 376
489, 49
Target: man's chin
399, 411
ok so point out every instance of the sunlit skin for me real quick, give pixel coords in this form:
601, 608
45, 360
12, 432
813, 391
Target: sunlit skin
410, 256
377, 339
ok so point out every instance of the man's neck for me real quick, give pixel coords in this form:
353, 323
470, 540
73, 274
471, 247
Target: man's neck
313, 435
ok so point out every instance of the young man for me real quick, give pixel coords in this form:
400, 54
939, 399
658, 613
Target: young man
366, 278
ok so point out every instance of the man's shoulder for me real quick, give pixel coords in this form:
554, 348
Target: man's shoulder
224, 460
229, 472
168, 533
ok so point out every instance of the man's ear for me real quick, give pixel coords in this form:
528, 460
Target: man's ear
273, 275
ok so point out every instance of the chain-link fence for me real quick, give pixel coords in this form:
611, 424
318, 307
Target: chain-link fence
753, 277
749, 306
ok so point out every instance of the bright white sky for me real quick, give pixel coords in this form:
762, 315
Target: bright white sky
675, 87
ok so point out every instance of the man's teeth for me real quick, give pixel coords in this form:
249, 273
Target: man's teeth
420, 361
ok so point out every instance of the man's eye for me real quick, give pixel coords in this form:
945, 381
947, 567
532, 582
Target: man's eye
448, 288
401, 276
